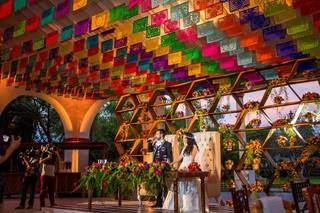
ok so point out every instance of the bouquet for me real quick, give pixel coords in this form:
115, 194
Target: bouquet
194, 167
229, 145
229, 164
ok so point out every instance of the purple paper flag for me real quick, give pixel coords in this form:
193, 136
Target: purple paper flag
107, 32
82, 27
121, 42
146, 55
160, 61
62, 8
136, 49
181, 72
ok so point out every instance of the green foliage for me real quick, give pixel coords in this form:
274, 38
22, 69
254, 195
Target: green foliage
39, 120
104, 129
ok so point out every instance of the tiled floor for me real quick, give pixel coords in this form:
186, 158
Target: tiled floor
100, 205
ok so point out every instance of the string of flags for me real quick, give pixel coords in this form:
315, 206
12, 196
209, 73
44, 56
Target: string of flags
178, 42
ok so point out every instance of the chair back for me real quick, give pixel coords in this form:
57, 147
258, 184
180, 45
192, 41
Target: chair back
312, 197
240, 200
298, 197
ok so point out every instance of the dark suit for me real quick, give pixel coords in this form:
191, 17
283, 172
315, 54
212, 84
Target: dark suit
161, 153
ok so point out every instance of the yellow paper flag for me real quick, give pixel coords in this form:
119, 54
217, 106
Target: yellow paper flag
99, 20
81, 54
162, 51
152, 44
194, 69
77, 4
175, 58
136, 37
94, 59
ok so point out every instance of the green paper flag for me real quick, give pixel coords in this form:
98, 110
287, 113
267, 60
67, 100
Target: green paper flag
140, 25
38, 44
19, 4
177, 46
152, 31
66, 33
47, 16
19, 29
169, 39
129, 13
118, 13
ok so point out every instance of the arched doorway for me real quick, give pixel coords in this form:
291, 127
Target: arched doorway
38, 120
104, 129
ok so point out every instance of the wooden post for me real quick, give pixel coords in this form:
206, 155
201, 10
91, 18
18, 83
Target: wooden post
90, 194
119, 197
175, 194
203, 196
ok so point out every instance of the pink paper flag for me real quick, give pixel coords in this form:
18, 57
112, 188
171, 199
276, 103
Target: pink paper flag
210, 49
133, 3
171, 26
188, 34
228, 63
159, 18
146, 5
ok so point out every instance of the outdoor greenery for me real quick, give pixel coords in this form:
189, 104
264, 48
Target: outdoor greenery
104, 129
38, 121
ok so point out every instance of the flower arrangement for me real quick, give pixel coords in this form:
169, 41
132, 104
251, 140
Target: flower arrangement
253, 152
251, 105
225, 107
256, 163
229, 144
125, 175
311, 96
287, 166
250, 84
282, 140
313, 146
278, 99
257, 187
309, 116
281, 122
229, 164
255, 123
194, 167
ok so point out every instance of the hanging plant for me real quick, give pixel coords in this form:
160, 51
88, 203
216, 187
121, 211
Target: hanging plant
257, 187
281, 122
292, 140
225, 107
223, 90
229, 164
255, 123
178, 114
196, 94
277, 82
163, 100
200, 116
251, 105
253, 152
313, 146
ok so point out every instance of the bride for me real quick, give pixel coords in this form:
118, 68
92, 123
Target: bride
188, 189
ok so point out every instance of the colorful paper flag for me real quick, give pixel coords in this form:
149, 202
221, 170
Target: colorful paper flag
179, 11
66, 33
191, 19
159, 18
47, 16
140, 25
152, 31
99, 20
81, 27
52, 38
214, 11
19, 29
19, 4
77, 4
63, 8
6, 9
175, 58
171, 26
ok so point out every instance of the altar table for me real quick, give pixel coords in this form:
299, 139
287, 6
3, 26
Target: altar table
176, 175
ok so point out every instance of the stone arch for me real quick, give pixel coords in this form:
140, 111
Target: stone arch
10, 94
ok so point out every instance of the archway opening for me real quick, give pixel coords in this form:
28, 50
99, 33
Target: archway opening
37, 120
104, 129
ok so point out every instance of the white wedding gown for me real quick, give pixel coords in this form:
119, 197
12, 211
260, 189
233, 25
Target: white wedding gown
188, 190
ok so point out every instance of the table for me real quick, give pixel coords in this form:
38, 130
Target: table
176, 175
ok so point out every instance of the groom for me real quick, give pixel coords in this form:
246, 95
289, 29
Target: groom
162, 152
